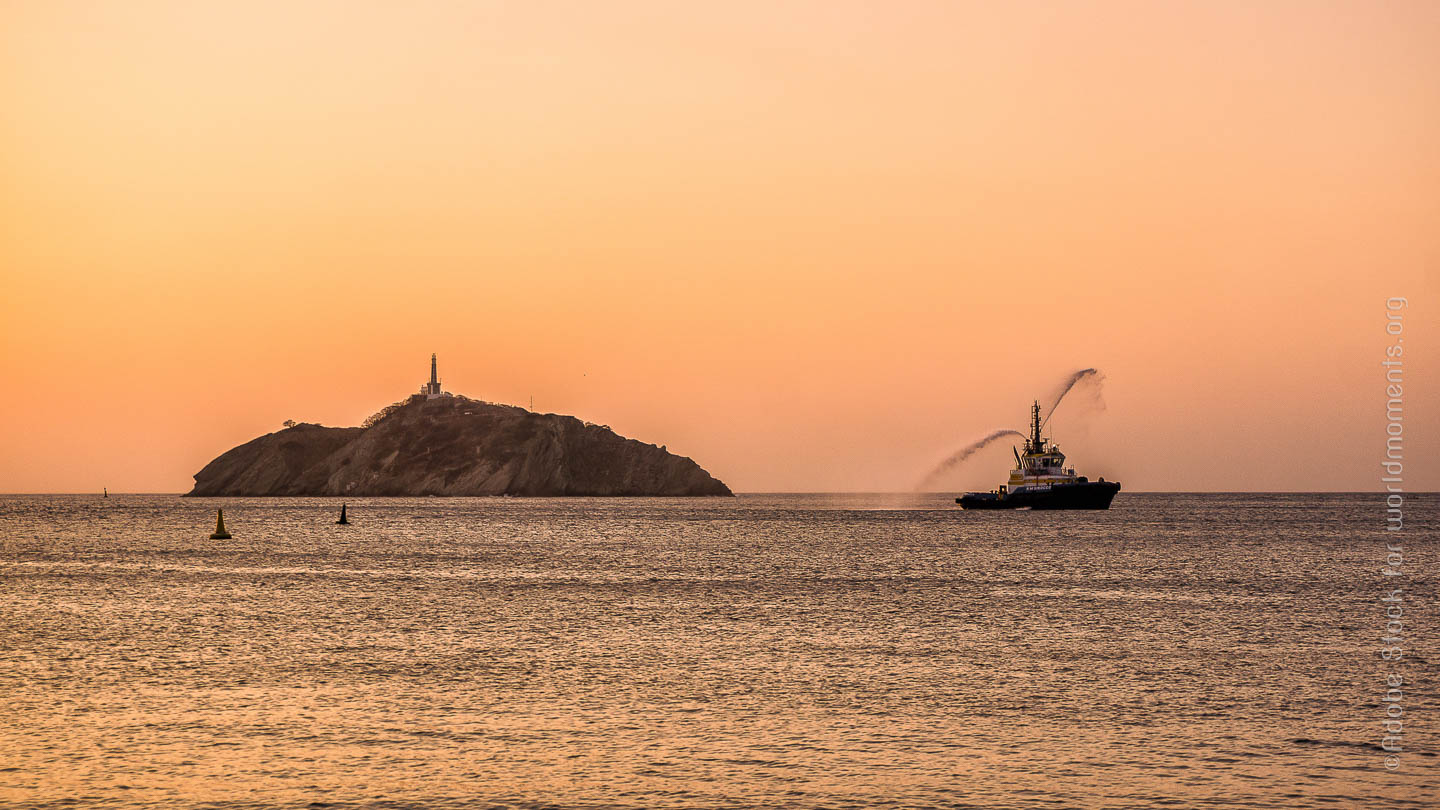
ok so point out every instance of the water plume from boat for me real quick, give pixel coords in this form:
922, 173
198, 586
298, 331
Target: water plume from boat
1089, 379
1086, 379
959, 456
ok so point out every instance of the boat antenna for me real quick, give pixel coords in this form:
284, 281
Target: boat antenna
1053, 408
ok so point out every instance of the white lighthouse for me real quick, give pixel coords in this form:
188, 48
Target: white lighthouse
432, 389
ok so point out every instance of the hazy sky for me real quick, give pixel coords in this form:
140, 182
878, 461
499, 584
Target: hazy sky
813, 245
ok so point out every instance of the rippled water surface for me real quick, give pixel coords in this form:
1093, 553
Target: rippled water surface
762, 651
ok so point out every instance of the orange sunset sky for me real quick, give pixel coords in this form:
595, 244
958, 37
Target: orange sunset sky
813, 245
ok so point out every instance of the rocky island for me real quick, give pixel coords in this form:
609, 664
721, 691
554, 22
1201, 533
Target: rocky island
435, 443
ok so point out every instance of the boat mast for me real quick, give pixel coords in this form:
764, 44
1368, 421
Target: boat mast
1035, 440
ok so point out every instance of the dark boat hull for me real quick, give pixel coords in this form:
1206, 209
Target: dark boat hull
1080, 495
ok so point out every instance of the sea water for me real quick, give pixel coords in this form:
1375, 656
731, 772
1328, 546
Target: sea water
827, 651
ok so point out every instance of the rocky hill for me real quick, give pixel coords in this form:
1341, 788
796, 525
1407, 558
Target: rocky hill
453, 446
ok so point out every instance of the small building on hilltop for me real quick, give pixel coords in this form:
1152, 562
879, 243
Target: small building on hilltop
432, 389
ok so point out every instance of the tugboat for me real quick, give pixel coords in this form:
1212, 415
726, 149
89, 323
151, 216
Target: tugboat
1040, 480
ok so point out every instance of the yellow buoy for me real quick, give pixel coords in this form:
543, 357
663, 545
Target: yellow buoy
220, 533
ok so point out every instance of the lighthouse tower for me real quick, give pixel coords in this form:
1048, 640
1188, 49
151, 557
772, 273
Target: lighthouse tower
432, 389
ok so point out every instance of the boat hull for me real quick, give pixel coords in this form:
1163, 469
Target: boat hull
1079, 495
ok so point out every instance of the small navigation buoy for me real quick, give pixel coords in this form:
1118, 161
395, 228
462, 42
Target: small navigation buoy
106, 491
342, 521
220, 533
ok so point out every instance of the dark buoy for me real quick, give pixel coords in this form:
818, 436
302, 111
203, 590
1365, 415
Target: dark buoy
106, 491
220, 533
342, 521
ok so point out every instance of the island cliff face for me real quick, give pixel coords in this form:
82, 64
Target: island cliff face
453, 446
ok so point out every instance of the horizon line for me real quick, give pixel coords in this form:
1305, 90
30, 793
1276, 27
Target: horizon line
738, 493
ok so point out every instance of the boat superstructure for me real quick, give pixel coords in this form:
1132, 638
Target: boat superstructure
1041, 480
